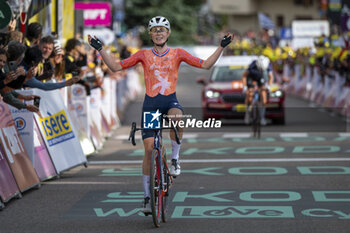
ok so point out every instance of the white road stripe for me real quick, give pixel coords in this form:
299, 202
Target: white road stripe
344, 134
293, 135
236, 135
253, 160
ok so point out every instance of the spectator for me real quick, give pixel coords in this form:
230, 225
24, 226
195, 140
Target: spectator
71, 60
9, 96
33, 35
46, 69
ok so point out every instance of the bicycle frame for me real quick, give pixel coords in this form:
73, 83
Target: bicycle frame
160, 178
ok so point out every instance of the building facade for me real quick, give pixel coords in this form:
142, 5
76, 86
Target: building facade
243, 14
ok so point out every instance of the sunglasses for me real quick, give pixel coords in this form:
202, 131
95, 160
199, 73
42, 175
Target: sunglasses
158, 29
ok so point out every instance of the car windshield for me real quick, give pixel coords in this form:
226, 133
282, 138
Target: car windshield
229, 73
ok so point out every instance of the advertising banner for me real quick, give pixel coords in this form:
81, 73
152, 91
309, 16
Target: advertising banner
95, 13
114, 116
79, 111
42, 160
38, 155
97, 134
15, 152
8, 186
310, 28
60, 137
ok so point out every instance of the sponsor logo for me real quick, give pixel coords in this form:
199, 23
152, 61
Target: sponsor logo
56, 128
20, 123
78, 91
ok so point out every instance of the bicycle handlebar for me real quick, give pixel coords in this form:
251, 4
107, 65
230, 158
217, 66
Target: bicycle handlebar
134, 129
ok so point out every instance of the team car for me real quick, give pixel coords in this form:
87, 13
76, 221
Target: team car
222, 96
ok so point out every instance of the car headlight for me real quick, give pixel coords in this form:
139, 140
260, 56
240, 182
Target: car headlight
276, 94
212, 94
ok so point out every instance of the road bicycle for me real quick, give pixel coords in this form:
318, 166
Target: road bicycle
161, 180
255, 112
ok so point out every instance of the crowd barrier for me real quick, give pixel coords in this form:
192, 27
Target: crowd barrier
328, 91
70, 127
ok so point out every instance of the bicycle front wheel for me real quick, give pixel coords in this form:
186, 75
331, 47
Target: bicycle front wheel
256, 120
155, 188
165, 186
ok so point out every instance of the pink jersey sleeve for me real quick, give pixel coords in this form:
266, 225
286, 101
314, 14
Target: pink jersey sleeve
132, 60
189, 59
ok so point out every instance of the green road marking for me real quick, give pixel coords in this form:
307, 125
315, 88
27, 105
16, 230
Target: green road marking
342, 138
331, 196
289, 196
233, 212
182, 196
121, 172
120, 211
325, 213
324, 170
316, 149
216, 151
260, 150
205, 171
263, 171
130, 197
303, 139
263, 139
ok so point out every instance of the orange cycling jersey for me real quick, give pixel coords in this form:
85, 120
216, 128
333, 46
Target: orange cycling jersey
161, 70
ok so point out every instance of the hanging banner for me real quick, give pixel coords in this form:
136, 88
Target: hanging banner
8, 186
15, 152
60, 137
38, 155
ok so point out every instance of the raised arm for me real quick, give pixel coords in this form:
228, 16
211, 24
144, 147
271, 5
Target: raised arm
107, 58
207, 64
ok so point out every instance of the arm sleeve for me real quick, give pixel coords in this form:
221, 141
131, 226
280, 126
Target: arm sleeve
10, 98
189, 59
33, 82
133, 60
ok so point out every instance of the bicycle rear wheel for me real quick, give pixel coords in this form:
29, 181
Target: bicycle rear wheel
155, 188
166, 185
256, 125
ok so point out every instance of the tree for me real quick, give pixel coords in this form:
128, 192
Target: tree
182, 15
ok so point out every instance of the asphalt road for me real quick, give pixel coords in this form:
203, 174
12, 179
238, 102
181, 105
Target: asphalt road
295, 179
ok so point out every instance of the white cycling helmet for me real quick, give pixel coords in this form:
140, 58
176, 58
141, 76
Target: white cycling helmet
262, 63
159, 21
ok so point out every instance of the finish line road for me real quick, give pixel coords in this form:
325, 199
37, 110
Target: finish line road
295, 179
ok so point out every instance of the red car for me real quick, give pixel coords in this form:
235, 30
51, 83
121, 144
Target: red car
222, 96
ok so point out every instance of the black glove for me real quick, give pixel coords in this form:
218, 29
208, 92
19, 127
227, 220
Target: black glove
96, 44
225, 41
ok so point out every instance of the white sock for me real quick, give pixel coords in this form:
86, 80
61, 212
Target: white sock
175, 149
146, 183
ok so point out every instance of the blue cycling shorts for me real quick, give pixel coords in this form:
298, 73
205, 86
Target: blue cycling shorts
162, 102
